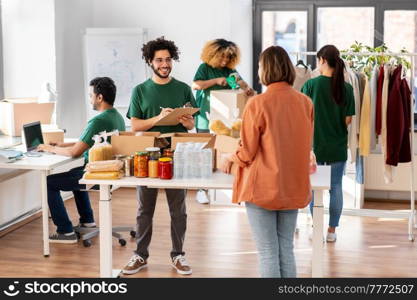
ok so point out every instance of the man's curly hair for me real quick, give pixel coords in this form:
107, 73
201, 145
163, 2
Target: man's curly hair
149, 49
213, 52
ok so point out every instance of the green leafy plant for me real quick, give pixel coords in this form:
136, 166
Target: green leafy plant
366, 63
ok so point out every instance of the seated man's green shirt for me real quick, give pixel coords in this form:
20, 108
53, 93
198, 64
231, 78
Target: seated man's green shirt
148, 98
108, 120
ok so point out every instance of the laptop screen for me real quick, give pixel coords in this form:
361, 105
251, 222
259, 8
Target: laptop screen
33, 135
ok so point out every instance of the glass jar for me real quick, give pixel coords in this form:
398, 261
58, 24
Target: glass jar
141, 164
153, 166
165, 168
168, 153
154, 152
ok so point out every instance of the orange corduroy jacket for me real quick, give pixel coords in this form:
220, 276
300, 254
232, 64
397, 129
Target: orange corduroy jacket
274, 153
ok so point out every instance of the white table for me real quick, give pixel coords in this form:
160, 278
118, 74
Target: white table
45, 164
320, 182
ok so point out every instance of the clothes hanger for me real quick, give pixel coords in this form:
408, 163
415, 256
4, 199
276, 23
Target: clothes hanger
301, 62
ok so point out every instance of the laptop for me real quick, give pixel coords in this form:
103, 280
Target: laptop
33, 138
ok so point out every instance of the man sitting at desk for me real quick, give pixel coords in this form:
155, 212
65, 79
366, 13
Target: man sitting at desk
102, 95
151, 101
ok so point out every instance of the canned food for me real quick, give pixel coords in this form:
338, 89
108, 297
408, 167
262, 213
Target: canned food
141, 164
127, 163
154, 152
153, 168
165, 168
168, 153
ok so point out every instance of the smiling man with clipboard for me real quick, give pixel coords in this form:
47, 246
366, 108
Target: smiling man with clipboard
165, 105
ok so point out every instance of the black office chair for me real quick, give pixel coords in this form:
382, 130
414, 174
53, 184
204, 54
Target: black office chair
86, 234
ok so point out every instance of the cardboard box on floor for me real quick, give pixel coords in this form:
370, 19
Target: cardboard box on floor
225, 103
18, 111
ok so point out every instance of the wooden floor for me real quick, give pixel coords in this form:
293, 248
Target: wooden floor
218, 244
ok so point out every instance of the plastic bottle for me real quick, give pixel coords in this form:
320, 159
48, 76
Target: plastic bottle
207, 163
179, 161
96, 152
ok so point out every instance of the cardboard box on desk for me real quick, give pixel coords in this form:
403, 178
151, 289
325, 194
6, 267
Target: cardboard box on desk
127, 143
16, 112
52, 136
183, 137
223, 104
225, 145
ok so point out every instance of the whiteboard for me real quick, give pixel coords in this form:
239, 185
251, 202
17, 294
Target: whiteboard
115, 53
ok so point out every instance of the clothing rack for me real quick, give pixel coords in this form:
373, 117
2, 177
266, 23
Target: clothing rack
412, 214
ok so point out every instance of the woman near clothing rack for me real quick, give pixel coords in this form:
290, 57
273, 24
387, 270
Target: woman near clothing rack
334, 107
274, 158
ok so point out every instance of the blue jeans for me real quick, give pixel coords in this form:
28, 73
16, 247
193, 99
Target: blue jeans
68, 181
273, 232
336, 192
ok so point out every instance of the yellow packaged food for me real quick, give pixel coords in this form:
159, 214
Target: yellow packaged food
103, 175
104, 166
101, 149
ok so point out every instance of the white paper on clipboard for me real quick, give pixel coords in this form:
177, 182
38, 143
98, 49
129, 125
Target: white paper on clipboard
172, 118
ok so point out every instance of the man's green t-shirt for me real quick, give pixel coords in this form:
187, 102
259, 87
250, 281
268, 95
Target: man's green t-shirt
108, 120
330, 130
206, 72
148, 98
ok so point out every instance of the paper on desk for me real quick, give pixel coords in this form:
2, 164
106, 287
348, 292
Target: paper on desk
172, 118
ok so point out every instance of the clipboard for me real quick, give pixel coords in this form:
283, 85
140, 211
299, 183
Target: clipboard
172, 118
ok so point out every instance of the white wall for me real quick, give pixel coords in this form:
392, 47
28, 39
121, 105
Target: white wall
45, 37
72, 17
190, 23
28, 46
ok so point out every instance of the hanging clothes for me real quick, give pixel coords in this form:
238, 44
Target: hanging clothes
302, 74
365, 122
398, 120
388, 170
373, 85
361, 86
353, 129
378, 112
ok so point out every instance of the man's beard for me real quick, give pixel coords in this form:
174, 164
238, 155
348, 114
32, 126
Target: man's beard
159, 74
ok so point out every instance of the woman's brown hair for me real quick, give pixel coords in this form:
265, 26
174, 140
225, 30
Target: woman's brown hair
276, 66
332, 55
214, 51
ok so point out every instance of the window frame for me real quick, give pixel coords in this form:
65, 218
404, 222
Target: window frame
259, 6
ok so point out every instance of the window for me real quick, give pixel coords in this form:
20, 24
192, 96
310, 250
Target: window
400, 29
287, 29
342, 26
400, 32
300, 25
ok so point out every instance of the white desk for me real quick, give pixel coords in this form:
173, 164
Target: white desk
320, 182
45, 164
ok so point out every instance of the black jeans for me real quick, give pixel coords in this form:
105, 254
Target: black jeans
146, 208
68, 181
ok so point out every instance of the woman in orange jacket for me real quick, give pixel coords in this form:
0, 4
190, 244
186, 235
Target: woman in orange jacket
273, 158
